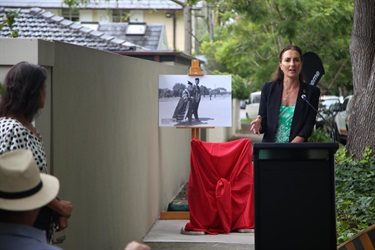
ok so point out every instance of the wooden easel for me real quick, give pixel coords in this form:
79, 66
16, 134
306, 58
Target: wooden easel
195, 70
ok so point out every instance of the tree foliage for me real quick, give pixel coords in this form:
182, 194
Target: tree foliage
240, 88
251, 34
9, 21
178, 88
355, 188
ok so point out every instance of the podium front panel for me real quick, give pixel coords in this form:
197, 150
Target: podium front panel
294, 196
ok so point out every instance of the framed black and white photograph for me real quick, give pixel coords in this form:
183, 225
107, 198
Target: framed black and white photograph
202, 101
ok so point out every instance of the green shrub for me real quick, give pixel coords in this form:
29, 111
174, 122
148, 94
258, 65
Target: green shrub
319, 135
355, 193
245, 120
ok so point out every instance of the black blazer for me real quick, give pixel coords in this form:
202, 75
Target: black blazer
304, 116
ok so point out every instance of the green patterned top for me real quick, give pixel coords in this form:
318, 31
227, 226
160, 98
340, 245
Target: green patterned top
285, 122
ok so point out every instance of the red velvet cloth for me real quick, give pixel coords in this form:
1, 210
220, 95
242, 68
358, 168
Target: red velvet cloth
221, 186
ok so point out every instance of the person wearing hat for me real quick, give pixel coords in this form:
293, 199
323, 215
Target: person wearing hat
23, 191
184, 106
189, 112
197, 98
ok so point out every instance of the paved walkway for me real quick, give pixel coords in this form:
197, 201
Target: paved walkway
166, 234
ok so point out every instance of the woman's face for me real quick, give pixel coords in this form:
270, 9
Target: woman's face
291, 64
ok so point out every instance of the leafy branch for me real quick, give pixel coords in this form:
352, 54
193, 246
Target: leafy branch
10, 19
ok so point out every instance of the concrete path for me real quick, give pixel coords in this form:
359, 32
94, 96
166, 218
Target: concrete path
166, 234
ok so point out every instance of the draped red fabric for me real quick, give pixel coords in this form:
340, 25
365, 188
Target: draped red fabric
221, 186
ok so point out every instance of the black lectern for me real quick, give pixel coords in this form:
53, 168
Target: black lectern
294, 190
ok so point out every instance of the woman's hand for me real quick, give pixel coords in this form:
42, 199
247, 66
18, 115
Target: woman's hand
255, 126
298, 139
134, 245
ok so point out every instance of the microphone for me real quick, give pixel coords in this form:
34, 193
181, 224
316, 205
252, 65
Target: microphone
333, 132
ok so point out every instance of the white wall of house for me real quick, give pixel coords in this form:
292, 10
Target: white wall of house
159, 17
102, 16
137, 16
100, 127
87, 16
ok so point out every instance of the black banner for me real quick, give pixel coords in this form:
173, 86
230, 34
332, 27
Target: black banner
312, 68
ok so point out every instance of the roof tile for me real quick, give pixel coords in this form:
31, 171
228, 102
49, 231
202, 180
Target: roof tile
100, 4
57, 18
66, 22
37, 23
47, 14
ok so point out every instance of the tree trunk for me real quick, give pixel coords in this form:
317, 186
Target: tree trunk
188, 29
187, 23
210, 23
361, 133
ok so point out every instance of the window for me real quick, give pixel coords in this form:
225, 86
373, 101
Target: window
120, 16
71, 14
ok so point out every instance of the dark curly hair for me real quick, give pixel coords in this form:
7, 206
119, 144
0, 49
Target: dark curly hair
278, 75
23, 84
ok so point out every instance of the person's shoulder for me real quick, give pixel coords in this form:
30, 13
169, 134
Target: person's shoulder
266, 84
7, 122
269, 84
21, 236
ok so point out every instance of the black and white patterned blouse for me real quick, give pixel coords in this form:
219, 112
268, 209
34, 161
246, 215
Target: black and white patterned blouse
13, 135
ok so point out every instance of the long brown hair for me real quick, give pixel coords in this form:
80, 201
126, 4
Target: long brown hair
23, 84
278, 75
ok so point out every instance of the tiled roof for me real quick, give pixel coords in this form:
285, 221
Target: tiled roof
98, 4
37, 23
153, 39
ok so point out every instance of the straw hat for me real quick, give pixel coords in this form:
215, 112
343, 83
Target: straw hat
22, 186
